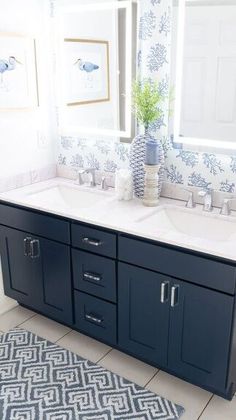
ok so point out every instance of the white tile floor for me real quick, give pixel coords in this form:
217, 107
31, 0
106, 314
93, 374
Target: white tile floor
199, 404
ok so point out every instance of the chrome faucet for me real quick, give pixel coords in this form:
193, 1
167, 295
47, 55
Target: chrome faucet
225, 209
81, 172
104, 185
190, 204
208, 199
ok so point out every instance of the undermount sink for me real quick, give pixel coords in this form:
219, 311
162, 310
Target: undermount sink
67, 196
191, 223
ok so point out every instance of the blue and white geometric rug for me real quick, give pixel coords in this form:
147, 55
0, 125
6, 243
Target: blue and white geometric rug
41, 381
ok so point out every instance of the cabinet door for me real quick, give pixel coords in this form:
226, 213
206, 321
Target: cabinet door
143, 313
51, 265
200, 330
19, 280
36, 273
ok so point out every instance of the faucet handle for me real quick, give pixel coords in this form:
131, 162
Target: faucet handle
190, 203
207, 193
225, 209
79, 179
92, 175
104, 185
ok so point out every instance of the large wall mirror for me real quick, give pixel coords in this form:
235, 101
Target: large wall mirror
204, 72
95, 61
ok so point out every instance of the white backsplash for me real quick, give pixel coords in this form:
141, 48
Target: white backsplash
11, 182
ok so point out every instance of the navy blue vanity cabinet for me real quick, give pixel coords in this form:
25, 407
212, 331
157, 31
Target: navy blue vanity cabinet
94, 240
94, 280
94, 274
200, 334
19, 280
171, 307
53, 268
96, 317
179, 324
37, 273
143, 307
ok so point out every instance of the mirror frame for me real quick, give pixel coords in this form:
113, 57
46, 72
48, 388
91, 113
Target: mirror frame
64, 128
188, 141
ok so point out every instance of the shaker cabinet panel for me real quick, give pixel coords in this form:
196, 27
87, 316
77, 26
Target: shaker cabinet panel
20, 283
143, 309
93, 240
55, 277
37, 223
94, 274
200, 335
196, 269
95, 317
37, 273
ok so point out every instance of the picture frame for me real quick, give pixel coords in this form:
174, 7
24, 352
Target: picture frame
87, 71
18, 72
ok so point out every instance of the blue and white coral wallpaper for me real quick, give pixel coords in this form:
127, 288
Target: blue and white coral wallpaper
182, 166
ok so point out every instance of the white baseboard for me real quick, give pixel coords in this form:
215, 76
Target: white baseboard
6, 304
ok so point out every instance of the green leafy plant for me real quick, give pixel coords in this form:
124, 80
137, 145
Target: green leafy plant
146, 101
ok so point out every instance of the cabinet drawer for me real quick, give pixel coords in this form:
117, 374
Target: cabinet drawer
196, 269
94, 240
94, 274
95, 317
35, 223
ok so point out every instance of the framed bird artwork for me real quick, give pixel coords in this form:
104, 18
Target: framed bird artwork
86, 70
18, 72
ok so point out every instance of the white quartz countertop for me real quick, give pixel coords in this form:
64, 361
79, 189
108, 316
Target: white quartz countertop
133, 218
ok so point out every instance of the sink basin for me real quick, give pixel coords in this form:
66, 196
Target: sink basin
67, 196
191, 223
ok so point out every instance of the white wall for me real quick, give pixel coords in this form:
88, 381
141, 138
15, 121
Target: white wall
20, 149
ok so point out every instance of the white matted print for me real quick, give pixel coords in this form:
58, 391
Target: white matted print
18, 72
86, 70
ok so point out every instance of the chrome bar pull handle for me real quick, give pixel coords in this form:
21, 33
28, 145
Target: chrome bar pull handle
27, 246
93, 318
34, 248
92, 276
174, 300
164, 291
93, 242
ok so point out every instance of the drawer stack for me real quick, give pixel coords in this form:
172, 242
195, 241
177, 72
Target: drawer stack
94, 279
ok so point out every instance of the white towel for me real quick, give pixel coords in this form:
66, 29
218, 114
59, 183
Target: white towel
124, 184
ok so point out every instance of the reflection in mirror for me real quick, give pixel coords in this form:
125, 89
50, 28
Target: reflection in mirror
205, 73
96, 64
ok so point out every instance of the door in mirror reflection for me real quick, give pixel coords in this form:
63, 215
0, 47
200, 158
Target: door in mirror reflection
208, 108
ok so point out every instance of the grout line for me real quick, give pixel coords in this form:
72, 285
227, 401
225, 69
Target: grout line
205, 407
27, 319
10, 310
148, 382
68, 332
103, 357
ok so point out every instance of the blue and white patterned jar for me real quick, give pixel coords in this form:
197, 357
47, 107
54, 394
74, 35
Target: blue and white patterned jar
137, 158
